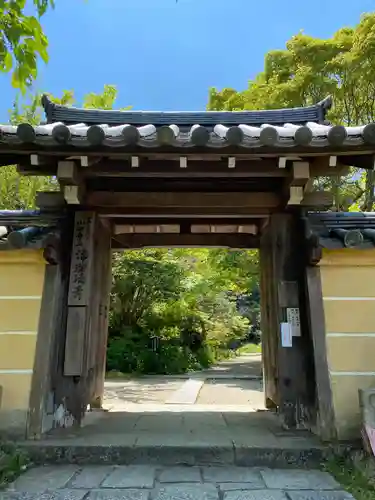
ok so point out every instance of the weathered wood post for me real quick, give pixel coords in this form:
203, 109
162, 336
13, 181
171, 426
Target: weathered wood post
290, 383
268, 323
100, 297
87, 321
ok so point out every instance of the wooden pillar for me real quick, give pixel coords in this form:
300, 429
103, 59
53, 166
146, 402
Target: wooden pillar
268, 324
294, 355
87, 314
101, 294
77, 358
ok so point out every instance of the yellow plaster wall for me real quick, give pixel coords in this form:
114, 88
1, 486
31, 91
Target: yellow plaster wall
348, 288
21, 288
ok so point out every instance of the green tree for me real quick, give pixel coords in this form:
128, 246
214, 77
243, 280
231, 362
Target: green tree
18, 192
184, 298
22, 40
305, 72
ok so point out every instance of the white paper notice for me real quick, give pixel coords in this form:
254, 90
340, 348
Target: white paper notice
286, 335
292, 314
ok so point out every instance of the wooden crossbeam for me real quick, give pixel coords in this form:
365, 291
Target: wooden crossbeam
74, 194
294, 185
185, 240
183, 200
317, 199
94, 166
49, 199
68, 172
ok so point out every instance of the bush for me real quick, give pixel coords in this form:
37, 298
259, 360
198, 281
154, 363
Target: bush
134, 354
12, 463
170, 312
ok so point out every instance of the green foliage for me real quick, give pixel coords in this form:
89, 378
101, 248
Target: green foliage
22, 40
307, 71
174, 310
353, 476
18, 192
12, 463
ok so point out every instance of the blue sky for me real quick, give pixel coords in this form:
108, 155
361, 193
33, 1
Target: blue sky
164, 55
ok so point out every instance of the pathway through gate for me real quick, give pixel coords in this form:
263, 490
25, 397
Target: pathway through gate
217, 415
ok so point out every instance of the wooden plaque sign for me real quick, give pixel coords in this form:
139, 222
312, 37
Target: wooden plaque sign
82, 257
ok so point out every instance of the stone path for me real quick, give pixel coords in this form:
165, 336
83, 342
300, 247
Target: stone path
143, 482
232, 382
232, 392
168, 421
246, 365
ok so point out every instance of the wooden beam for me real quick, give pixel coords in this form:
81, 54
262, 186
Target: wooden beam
295, 195
185, 240
73, 195
267, 167
317, 199
135, 161
185, 212
223, 228
49, 199
170, 200
333, 161
126, 221
197, 168
146, 228
359, 161
232, 162
33, 171
282, 162
88, 161
320, 166
300, 173
68, 172
39, 160
295, 184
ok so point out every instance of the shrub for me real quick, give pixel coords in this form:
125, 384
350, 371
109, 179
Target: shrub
171, 312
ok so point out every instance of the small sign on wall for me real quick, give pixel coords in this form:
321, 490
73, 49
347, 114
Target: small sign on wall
286, 335
292, 314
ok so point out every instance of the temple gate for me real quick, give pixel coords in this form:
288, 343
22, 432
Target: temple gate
132, 179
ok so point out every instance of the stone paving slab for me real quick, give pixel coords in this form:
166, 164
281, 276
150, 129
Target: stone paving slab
256, 495
90, 476
188, 492
319, 495
234, 475
187, 393
281, 479
63, 494
148, 482
44, 478
132, 476
180, 475
130, 494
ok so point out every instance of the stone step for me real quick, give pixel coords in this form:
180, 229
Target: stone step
189, 454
